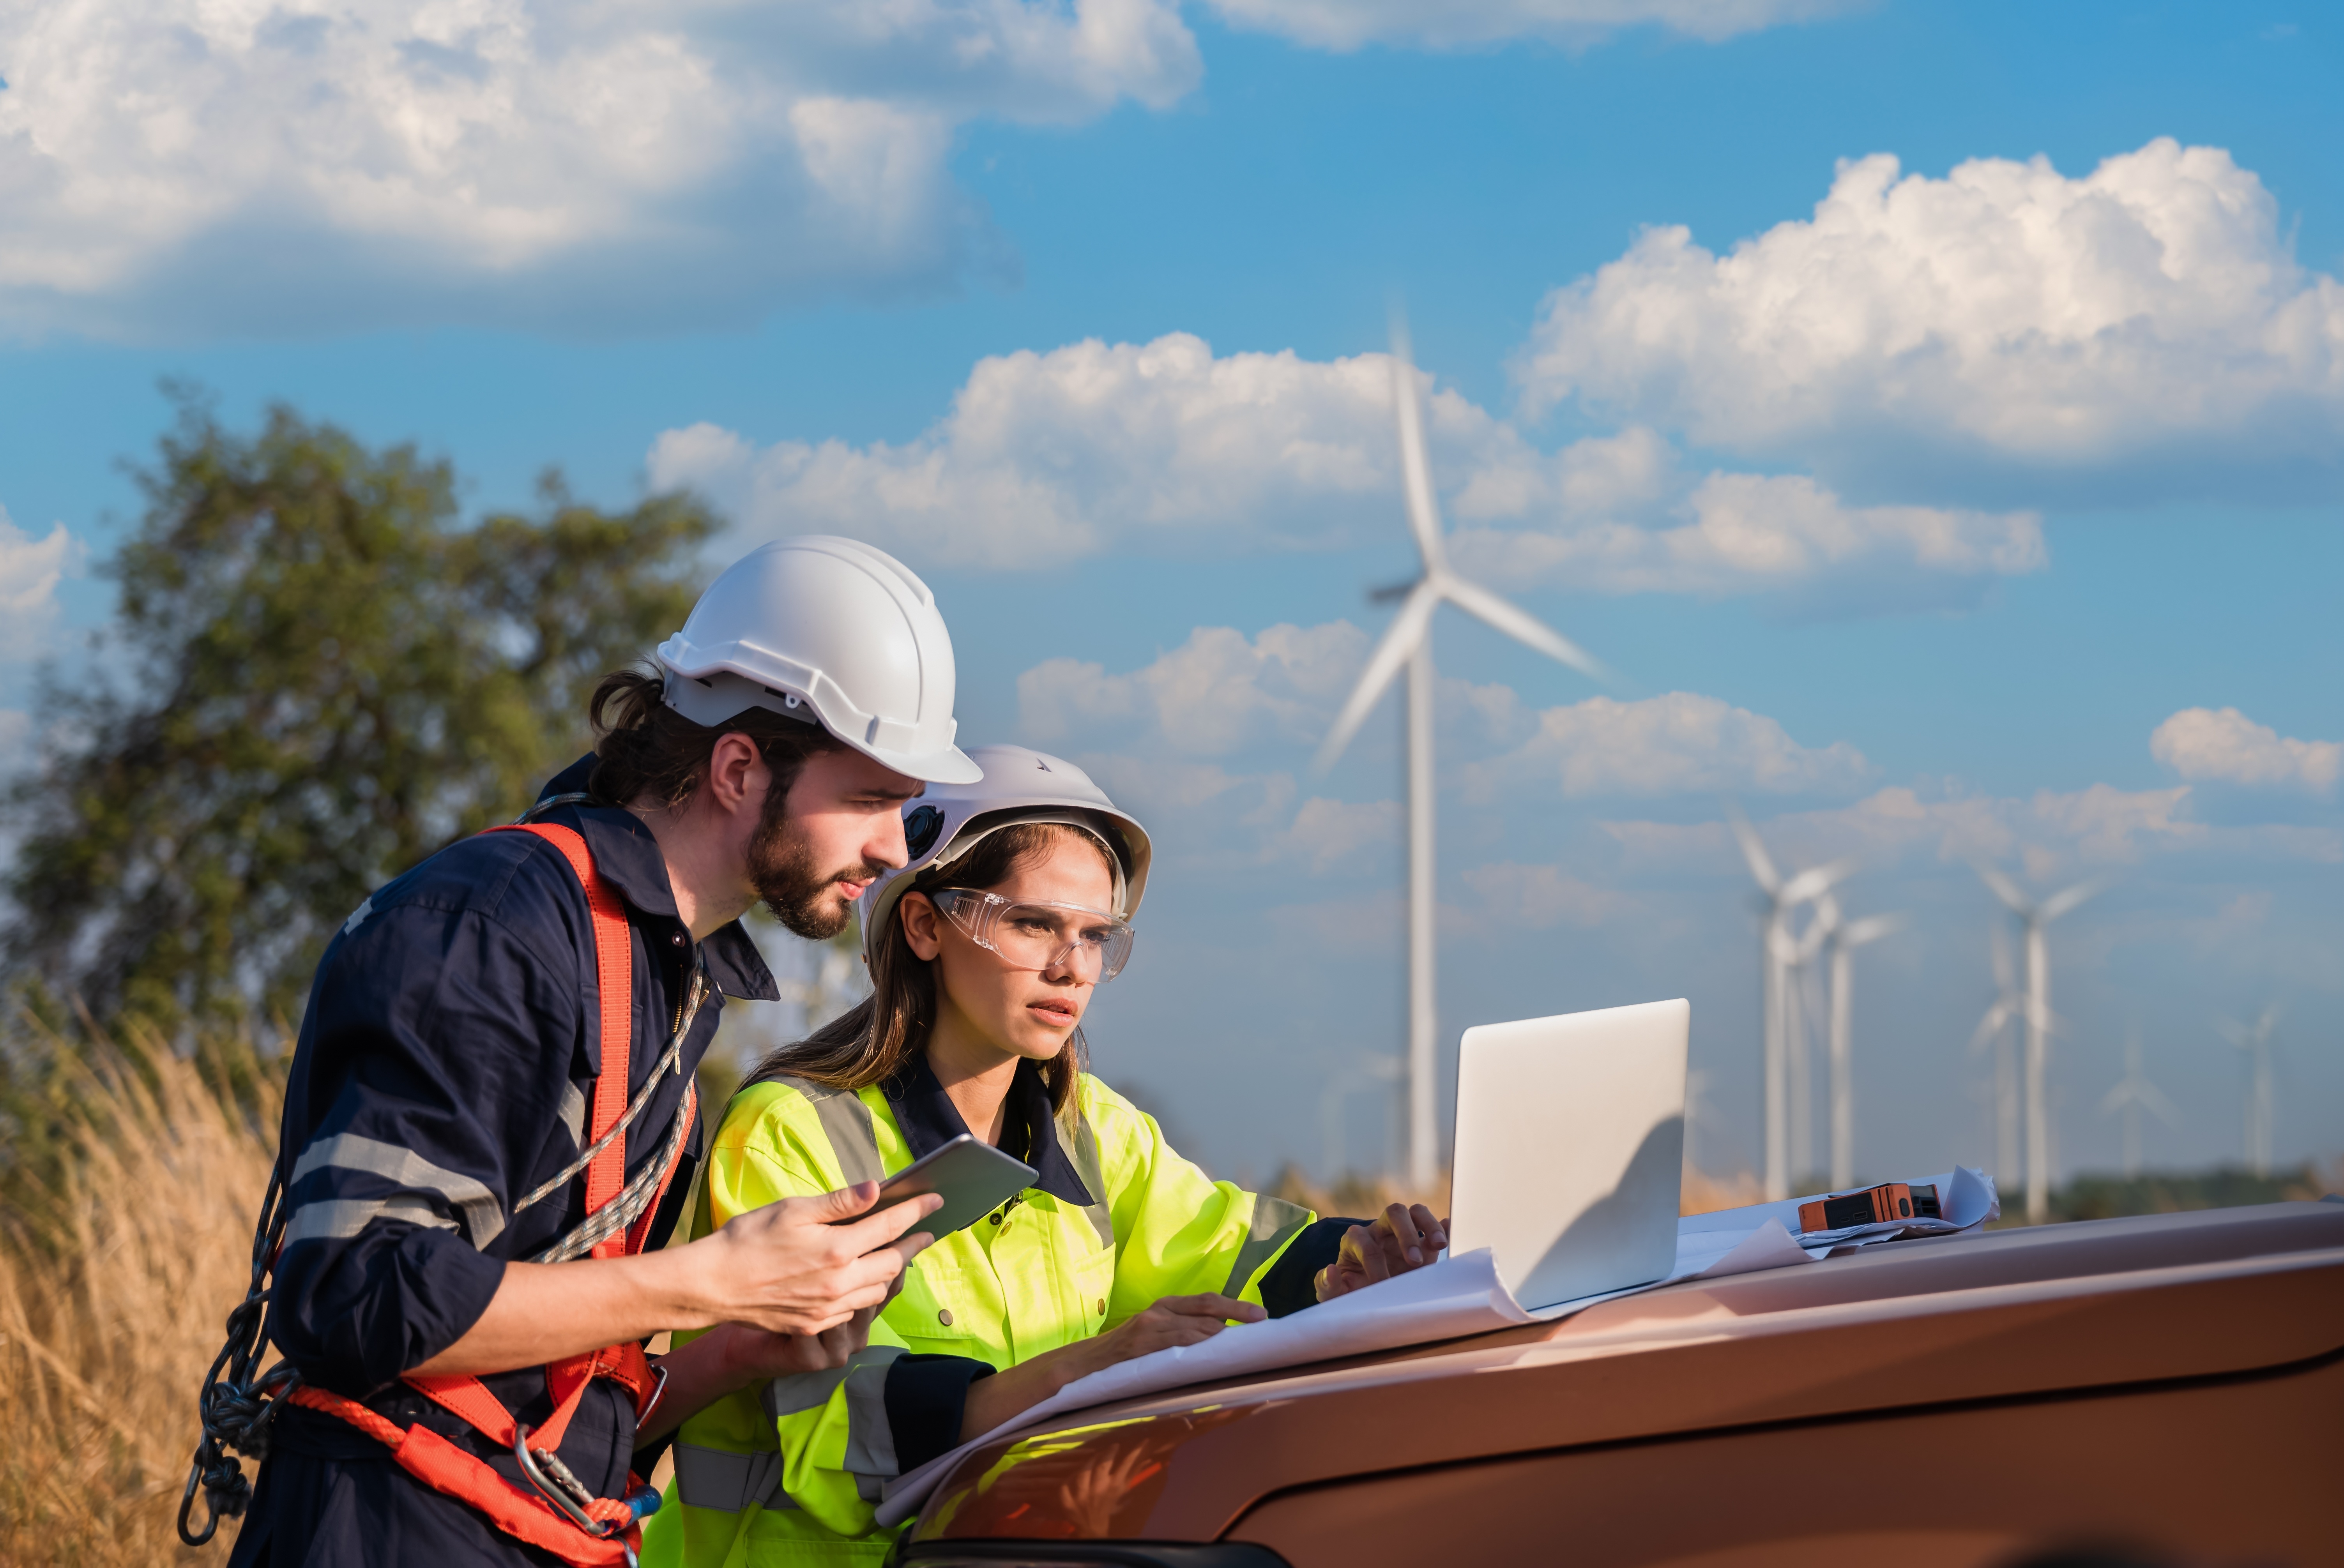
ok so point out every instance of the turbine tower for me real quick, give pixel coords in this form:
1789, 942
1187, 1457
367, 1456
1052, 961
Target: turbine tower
1993, 1030
1407, 641
2033, 919
1841, 941
2133, 1094
1778, 957
2261, 1114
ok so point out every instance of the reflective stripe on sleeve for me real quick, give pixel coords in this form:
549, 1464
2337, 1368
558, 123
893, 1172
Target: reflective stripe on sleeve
728, 1483
474, 1205
1275, 1223
870, 1438
339, 1219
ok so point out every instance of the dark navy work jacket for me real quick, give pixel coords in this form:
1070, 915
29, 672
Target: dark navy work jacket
445, 1069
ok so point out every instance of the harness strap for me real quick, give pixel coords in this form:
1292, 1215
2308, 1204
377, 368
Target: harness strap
445, 1468
614, 967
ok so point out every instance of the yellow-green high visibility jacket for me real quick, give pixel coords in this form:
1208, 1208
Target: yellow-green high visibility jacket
789, 1473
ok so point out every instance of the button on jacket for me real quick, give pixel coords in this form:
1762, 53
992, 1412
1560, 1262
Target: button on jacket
789, 1472
444, 1070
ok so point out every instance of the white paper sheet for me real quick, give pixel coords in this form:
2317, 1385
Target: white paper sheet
1455, 1296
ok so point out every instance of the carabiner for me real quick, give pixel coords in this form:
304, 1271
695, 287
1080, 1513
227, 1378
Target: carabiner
565, 1491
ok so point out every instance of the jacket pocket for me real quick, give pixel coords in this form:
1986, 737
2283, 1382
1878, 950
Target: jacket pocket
936, 1308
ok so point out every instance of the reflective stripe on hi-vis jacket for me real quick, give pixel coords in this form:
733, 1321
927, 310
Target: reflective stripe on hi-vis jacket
789, 1472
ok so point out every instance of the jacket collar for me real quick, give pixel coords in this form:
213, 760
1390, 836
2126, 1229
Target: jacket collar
629, 859
929, 1121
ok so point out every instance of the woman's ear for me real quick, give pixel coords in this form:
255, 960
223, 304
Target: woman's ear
920, 915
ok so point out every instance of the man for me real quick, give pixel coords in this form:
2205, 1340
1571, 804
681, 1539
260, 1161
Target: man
482, 1022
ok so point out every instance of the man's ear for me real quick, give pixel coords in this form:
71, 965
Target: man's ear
737, 775
919, 914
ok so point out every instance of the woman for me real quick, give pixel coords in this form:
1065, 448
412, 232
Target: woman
983, 953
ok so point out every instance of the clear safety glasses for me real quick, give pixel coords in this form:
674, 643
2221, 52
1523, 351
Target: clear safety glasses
1039, 936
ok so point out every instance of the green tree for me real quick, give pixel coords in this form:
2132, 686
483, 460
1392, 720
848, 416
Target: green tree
318, 678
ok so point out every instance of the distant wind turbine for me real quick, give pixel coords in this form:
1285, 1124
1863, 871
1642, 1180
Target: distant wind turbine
1993, 1031
1841, 941
2261, 1116
1778, 957
2132, 1095
2033, 918
1407, 641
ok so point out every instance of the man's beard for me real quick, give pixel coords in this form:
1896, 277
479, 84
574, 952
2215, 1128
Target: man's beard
806, 899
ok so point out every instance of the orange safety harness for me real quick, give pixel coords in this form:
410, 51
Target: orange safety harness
561, 1516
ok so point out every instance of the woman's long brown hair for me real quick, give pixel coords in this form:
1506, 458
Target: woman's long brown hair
872, 1041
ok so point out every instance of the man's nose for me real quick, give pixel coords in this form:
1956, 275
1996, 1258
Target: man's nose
887, 846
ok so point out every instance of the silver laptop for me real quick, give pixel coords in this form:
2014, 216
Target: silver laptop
1569, 1149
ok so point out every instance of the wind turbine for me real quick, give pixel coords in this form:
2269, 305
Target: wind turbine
1993, 1030
1778, 953
2261, 1116
1841, 941
1407, 641
2133, 1094
2034, 917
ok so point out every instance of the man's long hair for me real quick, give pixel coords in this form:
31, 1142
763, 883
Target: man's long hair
876, 1039
649, 754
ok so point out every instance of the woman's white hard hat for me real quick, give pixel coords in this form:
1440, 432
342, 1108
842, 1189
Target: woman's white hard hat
832, 631
1018, 785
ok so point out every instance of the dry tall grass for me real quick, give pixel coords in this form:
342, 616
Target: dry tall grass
111, 1305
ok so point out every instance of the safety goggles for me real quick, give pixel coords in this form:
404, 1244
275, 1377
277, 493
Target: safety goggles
1038, 936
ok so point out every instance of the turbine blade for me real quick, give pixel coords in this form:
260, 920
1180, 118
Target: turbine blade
2003, 888
2060, 903
1815, 881
1753, 849
1489, 608
1871, 928
1415, 468
2157, 1105
1989, 1026
1399, 640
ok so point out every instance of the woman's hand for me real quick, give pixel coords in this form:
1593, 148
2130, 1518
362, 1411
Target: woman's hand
731, 1357
1174, 1321
1405, 1238
788, 1269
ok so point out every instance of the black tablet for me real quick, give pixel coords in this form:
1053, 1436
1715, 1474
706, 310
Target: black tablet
975, 1179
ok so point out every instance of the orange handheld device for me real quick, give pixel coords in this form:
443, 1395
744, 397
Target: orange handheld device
1881, 1205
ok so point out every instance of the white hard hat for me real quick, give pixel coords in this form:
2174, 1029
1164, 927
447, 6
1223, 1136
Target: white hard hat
833, 626
1019, 784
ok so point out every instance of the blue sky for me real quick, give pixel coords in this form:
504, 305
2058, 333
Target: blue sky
1938, 513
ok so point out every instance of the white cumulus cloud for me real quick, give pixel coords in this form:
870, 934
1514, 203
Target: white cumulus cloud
185, 166
1167, 446
1746, 532
1351, 24
1677, 744
1216, 693
30, 570
2225, 746
2148, 313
